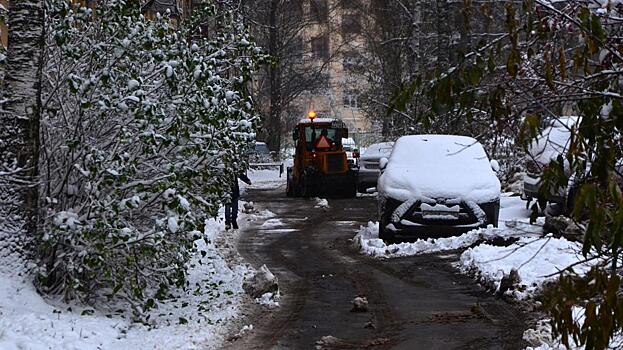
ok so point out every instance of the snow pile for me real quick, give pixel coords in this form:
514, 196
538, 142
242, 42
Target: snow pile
270, 300
368, 242
193, 320
536, 260
271, 223
439, 166
321, 203
540, 337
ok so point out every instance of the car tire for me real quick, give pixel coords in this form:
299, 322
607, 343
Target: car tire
385, 234
492, 210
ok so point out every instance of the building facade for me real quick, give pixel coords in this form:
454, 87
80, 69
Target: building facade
334, 41
4, 32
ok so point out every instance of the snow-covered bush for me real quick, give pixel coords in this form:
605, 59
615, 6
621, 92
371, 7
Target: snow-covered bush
145, 125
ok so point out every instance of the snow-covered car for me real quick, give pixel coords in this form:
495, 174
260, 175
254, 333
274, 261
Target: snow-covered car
551, 144
434, 185
369, 170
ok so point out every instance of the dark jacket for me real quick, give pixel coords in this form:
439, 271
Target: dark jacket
235, 189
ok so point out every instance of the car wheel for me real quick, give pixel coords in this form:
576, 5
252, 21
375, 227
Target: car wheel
385, 234
492, 210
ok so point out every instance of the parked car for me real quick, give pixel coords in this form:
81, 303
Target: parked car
261, 153
435, 185
369, 170
352, 153
551, 144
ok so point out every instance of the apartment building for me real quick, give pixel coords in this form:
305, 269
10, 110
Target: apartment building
4, 32
334, 40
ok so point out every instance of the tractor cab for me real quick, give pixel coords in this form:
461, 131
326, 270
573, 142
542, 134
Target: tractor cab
320, 163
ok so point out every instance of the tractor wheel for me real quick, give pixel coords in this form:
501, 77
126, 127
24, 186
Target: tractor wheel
306, 186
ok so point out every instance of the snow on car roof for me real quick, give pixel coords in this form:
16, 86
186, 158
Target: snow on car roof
439, 166
554, 140
378, 150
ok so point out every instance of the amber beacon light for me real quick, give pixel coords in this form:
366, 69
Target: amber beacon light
311, 115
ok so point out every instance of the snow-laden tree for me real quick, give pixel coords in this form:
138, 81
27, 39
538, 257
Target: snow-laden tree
554, 59
145, 125
20, 111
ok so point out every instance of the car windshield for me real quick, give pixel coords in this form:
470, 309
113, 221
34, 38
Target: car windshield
332, 135
261, 148
379, 150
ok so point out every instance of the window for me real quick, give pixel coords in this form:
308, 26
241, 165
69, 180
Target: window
351, 61
319, 10
312, 134
351, 99
351, 24
296, 46
320, 47
294, 9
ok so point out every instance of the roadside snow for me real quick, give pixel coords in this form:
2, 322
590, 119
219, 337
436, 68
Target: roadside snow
265, 179
536, 260
540, 337
321, 203
193, 321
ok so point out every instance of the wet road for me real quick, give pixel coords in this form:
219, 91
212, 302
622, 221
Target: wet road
414, 303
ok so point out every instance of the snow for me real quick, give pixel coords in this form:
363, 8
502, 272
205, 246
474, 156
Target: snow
270, 300
439, 166
265, 178
554, 140
541, 335
537, 261
321, 203
29, 321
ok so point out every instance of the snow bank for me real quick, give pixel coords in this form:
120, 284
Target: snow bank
368, 242
439, 166
27, 321
537, 261
540, 337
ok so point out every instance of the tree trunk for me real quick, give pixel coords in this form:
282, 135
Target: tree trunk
19, 122
273, 139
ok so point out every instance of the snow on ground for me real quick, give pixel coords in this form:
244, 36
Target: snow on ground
265, 178
537, 260
540, 337
321, 203
28, 321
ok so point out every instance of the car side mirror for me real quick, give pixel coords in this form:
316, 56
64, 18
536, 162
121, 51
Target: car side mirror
295, 135
495, 165
356, 153
383, 163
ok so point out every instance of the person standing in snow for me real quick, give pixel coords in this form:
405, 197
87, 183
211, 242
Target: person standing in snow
231, 209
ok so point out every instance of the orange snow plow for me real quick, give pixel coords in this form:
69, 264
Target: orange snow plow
320, 164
